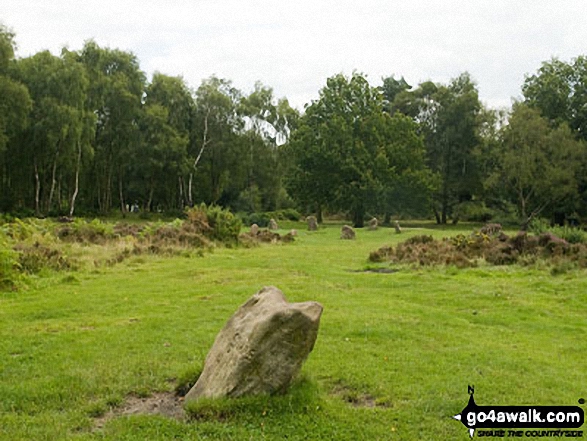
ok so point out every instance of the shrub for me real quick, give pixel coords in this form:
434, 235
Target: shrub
538, 226
422, 239
8, 263
261, 219
464, 251
474, 212
34, 258
215, 223
95, 232
570, 234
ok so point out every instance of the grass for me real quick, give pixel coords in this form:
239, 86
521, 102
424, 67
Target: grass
393, 359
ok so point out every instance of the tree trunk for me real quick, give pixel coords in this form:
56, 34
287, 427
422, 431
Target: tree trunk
180, 187
205, 142
436, 215
190, 199
150, 201
319, 218
120, 193
53, 182
76, 189
444, 213
108, 194
359, 217
37, 191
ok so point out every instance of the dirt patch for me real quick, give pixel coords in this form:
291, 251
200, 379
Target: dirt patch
357, 398
167, 404
376, 270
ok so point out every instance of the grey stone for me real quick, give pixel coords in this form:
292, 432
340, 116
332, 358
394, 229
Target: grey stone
312, 223
254, 230
260, 349
398, 229
273, 225
373, 224
347, 232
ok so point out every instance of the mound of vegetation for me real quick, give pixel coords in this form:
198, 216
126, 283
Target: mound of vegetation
496, 249
31, 246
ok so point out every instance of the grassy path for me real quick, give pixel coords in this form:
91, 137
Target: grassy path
393, 359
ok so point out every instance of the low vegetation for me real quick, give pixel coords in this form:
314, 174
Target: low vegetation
483, 247
32, 246
106, 352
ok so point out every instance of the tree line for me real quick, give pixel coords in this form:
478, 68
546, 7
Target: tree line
86, 132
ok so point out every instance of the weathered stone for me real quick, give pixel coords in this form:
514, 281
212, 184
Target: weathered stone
254, 230
273, 225
398, 229
293, 233
260, 349
491, 229
347, 232
373, 224
312, 223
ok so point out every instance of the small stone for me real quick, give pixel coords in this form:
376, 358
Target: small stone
254, 230
398, 229
312, 223
347, 233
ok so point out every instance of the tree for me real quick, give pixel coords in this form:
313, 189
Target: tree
15, 106
559, 91
216, 150
58, 87
349, 154
162, 154
269, 123
536, 164
449, 120
390, 89
117, 86
166, 128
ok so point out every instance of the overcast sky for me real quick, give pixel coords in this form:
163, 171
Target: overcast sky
293, 46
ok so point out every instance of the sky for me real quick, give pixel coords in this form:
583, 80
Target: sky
294, 46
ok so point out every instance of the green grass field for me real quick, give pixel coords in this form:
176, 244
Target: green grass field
394, 355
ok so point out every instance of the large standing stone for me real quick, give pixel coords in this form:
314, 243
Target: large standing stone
373, 224
254, 230
347, 232
398, 229
260, 349
312, 223
273, 224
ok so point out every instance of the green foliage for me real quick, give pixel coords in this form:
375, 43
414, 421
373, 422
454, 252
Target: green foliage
572, 235
216, 223
449, 119
80, 230
347, 154
536, 165
262, 219
35, 258
474, 212
557, 90
9, 266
